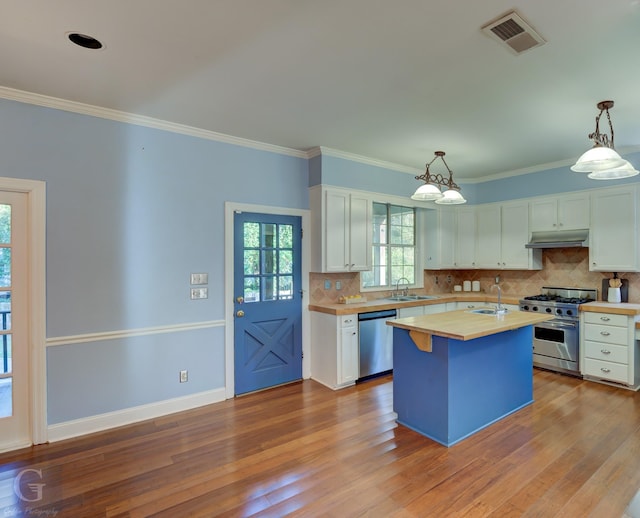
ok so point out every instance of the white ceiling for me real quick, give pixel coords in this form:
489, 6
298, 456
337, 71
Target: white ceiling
389, 80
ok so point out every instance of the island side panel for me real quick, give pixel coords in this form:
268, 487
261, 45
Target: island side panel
421, 386
461, 386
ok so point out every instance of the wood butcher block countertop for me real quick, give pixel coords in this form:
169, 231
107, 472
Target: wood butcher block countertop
382, 303
622, 308
463, 325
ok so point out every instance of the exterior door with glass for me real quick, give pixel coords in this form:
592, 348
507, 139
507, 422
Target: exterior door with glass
15, 417
268, 300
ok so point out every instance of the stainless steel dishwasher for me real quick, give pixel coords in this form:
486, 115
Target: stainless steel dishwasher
376, 342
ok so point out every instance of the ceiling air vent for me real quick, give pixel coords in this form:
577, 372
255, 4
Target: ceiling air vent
511, 30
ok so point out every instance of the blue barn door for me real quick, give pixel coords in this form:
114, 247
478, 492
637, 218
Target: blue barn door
267, 300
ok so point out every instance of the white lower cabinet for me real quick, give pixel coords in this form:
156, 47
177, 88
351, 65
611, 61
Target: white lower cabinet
413, 311
429, 309
609, 350
334, 349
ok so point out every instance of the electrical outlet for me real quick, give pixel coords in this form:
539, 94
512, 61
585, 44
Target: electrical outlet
327, 284
436, 280
497, 279
338, 285
184, 376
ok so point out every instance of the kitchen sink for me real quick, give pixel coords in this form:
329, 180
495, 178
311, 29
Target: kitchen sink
488, 311
407, 298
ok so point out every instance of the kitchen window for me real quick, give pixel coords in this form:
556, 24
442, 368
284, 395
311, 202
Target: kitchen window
394, 247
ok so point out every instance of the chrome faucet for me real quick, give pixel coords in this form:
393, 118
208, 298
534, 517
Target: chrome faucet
405, 291
499, 309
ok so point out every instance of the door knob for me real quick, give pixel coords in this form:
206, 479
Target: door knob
239, 300
240, 313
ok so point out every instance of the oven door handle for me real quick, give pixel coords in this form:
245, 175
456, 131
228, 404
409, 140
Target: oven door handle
560, 325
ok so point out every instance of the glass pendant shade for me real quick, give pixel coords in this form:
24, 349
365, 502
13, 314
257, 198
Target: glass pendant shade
451, 197
427, 192
598, 158
625, 171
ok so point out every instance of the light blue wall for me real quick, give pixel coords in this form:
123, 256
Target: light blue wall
551, 181
131, 212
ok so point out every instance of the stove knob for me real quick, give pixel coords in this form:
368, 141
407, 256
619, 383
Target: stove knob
569, 312
534, 308
525, 308
558, 311
548, 310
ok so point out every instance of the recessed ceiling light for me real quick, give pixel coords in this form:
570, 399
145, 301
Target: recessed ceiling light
83, 40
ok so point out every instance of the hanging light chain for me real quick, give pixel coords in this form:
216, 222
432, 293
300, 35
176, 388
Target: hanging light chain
437, 178
597, 137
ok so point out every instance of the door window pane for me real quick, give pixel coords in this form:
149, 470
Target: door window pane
269, 235
5, 224
5, 310
270, 288
5, 267
270, 265
286, 287
251, 262
286, 236
286, 261
251, 235
5, 354
6, 397
252, 289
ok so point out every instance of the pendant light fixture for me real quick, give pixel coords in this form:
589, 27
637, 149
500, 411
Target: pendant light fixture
602, 162
433, 184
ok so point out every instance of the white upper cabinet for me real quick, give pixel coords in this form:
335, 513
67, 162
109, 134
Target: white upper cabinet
341, 230
569, 212
489, 237
440, 238
515, 234
613, 238
466, 238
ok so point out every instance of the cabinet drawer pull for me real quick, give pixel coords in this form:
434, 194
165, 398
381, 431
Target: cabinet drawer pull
605, 333
605, 351
605, 319
604, 369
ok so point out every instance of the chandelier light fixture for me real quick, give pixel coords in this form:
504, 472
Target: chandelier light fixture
433, 184
602, 162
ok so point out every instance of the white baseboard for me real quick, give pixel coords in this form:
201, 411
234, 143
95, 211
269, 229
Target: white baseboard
98, 423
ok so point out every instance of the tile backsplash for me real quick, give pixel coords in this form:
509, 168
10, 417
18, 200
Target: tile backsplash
561, 267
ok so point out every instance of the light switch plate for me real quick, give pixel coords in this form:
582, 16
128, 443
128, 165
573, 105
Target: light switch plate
327, 284
199, 293
199, 278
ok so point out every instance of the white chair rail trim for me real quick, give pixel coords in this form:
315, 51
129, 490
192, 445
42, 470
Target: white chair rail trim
116, 335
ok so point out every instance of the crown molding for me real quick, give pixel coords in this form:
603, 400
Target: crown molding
327, 151
150, 122
141, 120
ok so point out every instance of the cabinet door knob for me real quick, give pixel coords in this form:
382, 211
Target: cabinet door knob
604, 369
605, 319
605, 351
605, 333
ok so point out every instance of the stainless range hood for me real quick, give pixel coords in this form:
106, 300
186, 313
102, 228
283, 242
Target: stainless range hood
559, 239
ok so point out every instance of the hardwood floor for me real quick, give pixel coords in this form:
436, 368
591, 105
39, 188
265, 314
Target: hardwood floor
304, 450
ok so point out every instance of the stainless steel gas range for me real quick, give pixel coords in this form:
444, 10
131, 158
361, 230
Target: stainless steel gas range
556, 343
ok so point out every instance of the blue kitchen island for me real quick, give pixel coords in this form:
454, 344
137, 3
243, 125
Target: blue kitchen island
458, 372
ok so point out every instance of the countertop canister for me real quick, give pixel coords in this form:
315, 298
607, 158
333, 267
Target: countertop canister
466, 286
475, 286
